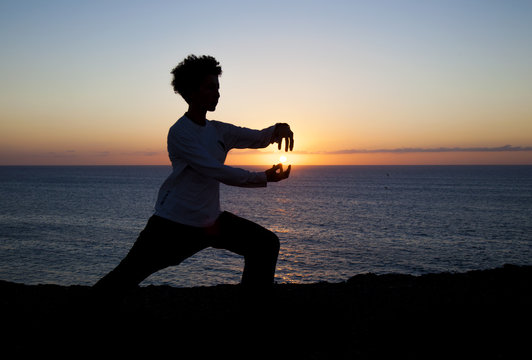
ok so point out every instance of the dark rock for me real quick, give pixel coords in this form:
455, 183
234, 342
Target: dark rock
473, 314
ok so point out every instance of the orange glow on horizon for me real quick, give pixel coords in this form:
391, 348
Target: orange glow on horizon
443, 158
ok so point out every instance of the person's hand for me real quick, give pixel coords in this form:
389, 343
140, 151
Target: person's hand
276, 173
282, 131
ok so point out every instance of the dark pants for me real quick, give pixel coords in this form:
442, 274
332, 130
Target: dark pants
165, 243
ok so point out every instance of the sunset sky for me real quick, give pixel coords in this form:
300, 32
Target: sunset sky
360, 82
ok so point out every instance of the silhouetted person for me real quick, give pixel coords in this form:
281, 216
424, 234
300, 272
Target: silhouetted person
187, 214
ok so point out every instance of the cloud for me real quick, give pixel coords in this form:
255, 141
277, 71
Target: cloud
59, 154
102, 153
506, 148
142, 153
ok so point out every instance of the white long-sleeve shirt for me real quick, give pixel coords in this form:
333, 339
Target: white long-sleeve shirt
191, 193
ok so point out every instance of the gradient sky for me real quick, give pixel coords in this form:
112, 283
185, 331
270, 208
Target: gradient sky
360, 82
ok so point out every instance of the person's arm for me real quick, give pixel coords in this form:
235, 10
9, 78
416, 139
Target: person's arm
247, 138
236, 137
243, 138
185, 146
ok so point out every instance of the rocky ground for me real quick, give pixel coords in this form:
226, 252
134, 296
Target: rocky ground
477, 315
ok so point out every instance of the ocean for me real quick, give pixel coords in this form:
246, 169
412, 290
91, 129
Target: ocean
71, 225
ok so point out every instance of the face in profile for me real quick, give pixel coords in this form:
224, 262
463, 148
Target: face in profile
208, 93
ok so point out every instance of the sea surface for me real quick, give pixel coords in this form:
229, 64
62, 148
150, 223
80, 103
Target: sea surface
71, 225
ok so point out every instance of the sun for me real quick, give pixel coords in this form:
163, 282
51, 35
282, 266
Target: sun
282, 159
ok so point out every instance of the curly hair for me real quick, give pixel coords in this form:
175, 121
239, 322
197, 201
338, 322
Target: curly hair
189, 73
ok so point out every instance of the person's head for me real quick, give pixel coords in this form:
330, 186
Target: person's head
196, 80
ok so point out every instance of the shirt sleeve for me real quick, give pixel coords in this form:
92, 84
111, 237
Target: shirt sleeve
237, 137
182, 144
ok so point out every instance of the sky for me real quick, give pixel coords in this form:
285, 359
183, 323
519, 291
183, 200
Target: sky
359, 82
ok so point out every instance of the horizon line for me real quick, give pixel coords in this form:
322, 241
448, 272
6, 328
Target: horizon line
262, 165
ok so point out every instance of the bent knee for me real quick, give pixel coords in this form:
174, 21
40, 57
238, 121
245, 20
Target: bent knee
273, 242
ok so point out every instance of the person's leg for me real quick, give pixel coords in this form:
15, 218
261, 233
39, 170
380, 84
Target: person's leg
259, 246
162, 243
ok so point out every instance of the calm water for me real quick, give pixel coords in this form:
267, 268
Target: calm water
71, 225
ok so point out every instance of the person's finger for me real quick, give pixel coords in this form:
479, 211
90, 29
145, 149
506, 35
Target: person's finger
287, 172
280, 168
